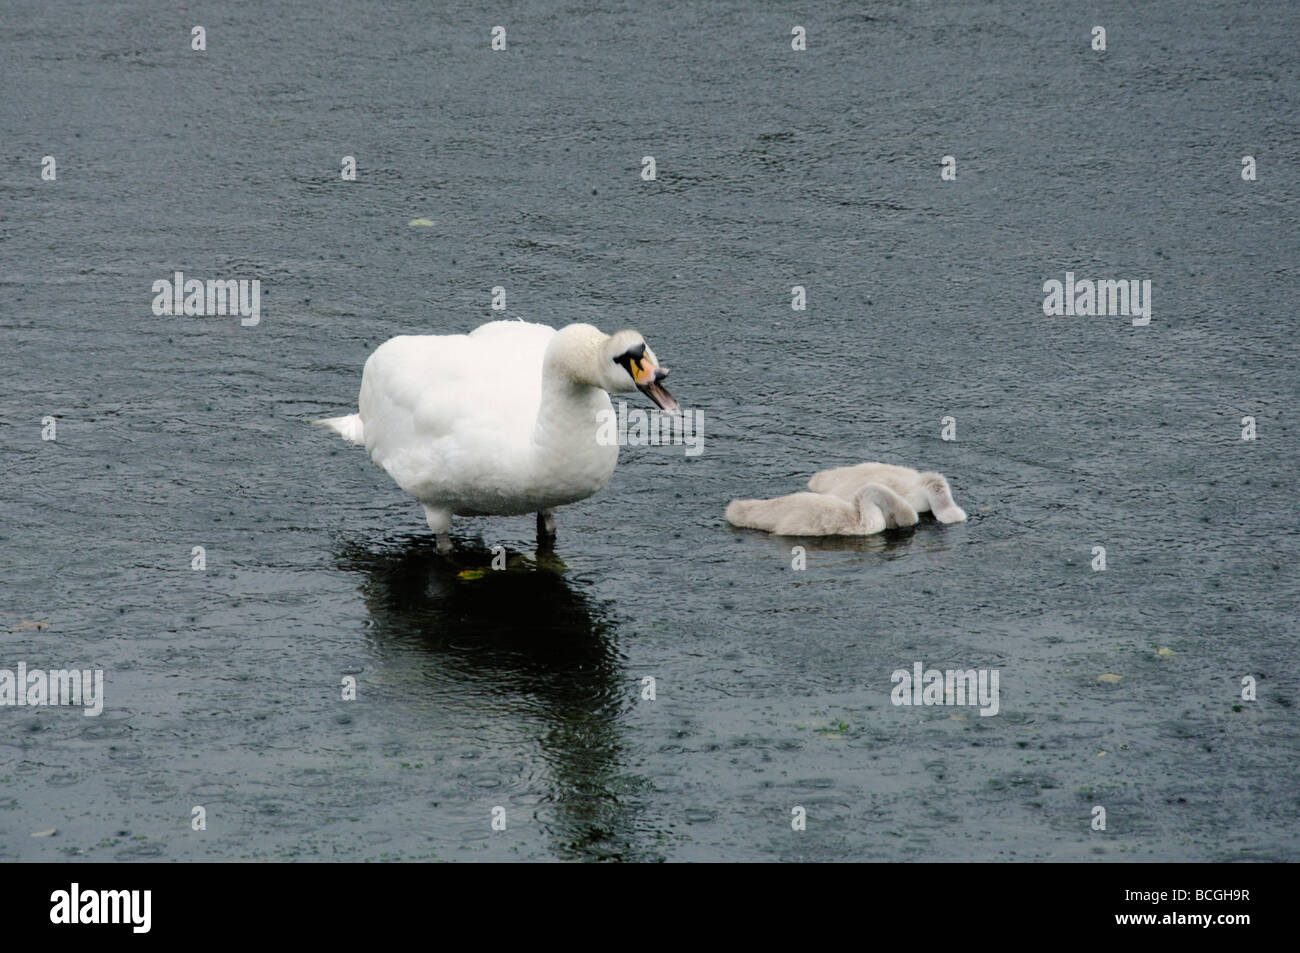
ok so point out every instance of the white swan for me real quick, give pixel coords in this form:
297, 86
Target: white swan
851, 501
500, 421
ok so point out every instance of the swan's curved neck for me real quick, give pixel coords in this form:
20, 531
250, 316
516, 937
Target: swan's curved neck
568, 418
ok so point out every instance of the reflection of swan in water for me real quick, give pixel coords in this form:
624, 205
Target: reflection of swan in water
517, 650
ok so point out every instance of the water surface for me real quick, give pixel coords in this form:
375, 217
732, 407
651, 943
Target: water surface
523, 688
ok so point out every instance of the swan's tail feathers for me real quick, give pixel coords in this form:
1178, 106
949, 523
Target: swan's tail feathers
349, 427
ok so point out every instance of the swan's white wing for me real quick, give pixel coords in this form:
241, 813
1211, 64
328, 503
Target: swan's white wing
448, 411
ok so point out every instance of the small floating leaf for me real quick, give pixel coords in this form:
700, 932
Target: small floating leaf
1110, 678
1164, 652
420, 222
49, 833
470, 574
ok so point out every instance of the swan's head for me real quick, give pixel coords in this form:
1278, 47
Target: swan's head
637, 367
618, 363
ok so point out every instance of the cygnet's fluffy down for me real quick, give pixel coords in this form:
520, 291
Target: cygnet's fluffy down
851, 501
924, 491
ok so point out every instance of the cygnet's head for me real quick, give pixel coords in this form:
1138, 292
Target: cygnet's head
618, 363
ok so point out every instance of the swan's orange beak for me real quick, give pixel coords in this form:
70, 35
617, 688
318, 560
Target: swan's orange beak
647, 375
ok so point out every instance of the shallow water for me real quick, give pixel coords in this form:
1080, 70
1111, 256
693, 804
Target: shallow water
523, 688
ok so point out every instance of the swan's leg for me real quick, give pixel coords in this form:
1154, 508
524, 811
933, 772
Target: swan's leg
942, 505
545, 527
896, 510
440, 522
